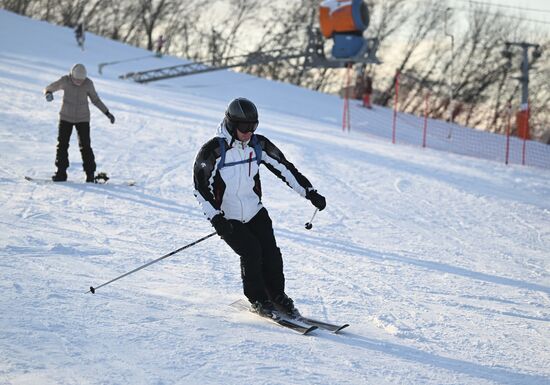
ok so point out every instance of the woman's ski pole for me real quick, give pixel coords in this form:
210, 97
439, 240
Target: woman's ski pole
309, 225
93, 289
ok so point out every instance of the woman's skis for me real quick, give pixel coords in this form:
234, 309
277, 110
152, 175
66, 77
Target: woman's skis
241, 304
300, 324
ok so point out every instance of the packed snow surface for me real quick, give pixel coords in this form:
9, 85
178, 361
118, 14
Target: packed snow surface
439, 262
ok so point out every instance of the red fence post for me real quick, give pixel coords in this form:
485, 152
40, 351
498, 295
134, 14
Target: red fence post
425, 119
523, 152
346, 116
395, 106
350, 70
526, 134
508, 133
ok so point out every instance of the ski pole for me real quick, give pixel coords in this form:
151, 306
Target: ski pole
93, 289
309, 225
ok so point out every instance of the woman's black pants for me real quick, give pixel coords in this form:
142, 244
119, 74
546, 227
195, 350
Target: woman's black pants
261, 260
63, 138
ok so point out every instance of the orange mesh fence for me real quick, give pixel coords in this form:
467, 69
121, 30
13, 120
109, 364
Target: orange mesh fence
401, 127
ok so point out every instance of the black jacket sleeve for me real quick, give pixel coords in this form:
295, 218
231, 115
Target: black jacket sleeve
204, 176
275, 161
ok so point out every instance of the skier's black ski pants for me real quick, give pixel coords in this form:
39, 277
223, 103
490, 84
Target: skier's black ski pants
63, 139
261, 260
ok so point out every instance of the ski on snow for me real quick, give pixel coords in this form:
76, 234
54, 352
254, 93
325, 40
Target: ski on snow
278, 319
43, 181
301, 321
335, 328
290, 324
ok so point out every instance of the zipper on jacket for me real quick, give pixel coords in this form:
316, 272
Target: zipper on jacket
239, 187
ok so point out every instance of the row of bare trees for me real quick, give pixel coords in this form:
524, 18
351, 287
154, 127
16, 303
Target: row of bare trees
412, 37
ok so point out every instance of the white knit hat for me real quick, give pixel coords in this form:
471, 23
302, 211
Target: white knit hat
79, 72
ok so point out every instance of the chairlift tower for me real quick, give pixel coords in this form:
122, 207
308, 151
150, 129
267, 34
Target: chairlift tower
522, 117
525, 65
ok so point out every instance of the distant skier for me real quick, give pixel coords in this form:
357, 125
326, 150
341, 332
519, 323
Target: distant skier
79, 34
159, 46
367, 92
227, 186
77, 87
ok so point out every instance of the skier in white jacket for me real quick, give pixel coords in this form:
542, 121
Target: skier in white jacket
227, 186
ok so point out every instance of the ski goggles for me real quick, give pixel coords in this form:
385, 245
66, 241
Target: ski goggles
243, 127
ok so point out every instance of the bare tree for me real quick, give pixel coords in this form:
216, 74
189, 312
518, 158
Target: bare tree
484, 83
116, 20
151, 13
18, 6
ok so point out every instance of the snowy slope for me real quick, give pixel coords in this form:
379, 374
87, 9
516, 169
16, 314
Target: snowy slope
440, 263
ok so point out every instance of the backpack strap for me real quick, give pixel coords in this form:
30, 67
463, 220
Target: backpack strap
255, 144
221, 141
257, 148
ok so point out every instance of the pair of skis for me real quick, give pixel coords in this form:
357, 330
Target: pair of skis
301, 324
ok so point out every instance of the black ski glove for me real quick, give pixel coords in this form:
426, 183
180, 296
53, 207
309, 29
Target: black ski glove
110, 116
317, 199
222, 225
49, 96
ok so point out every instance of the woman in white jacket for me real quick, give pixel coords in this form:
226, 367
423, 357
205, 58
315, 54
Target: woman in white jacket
227, 186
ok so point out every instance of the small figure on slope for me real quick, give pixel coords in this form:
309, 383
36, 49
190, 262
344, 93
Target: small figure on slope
79, 35
159, 45
367, 92
77, 88
227, 186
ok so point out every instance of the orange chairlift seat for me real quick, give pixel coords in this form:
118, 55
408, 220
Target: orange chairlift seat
344, 21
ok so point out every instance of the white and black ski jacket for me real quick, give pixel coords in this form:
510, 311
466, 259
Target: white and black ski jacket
226, 175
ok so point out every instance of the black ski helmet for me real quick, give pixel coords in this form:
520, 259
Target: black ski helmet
241, 114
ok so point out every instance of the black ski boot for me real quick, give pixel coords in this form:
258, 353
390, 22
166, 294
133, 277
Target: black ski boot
264, 308
59, 176
285, 304
90, 177
101, 178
